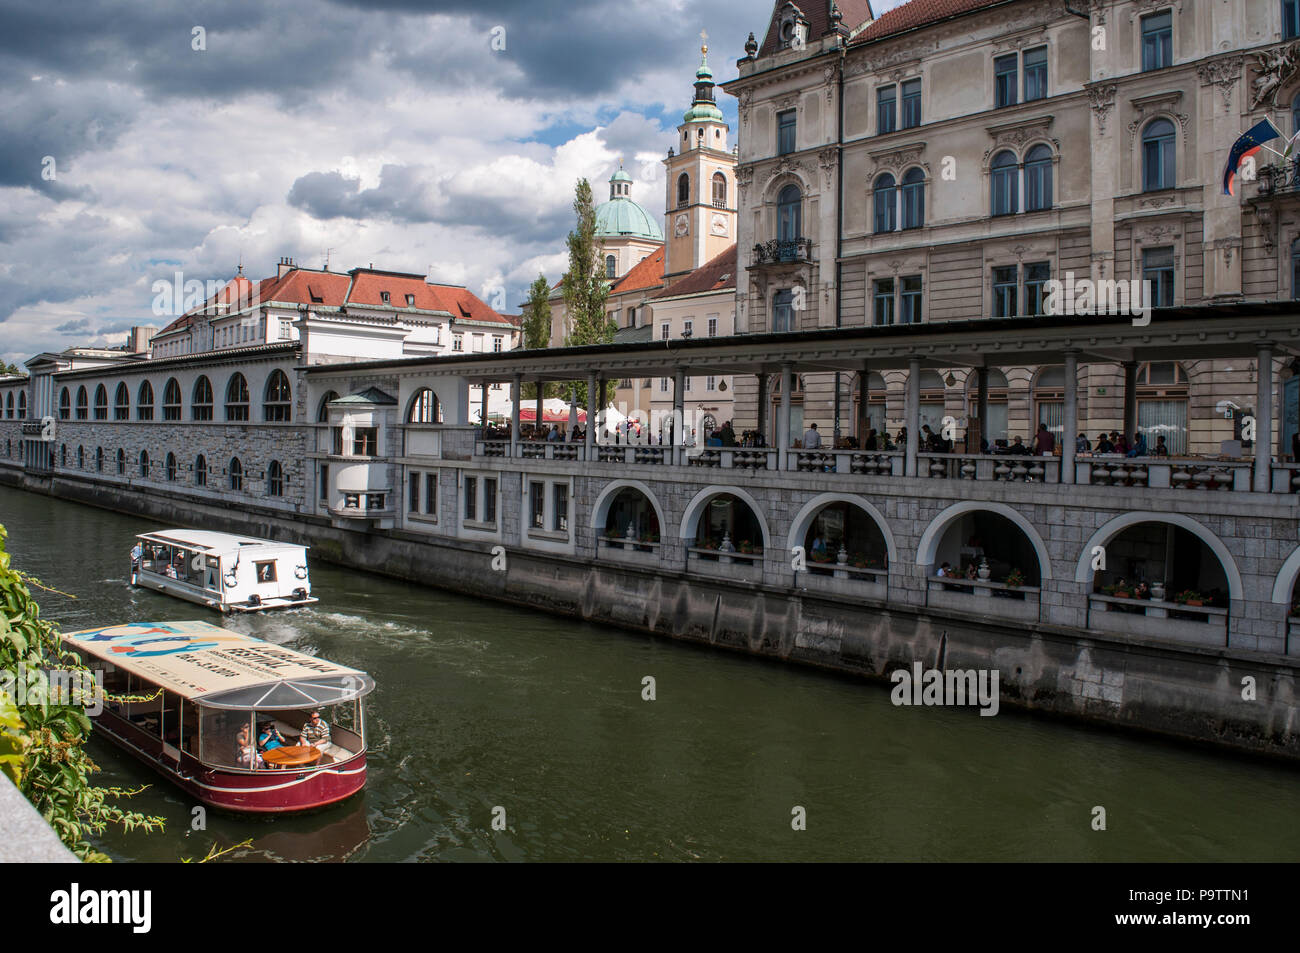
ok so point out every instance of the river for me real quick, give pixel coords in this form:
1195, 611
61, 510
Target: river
480, 705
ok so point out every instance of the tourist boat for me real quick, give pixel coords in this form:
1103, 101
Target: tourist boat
221, 570
194, 701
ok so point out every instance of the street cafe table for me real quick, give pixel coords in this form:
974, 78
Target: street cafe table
292, 756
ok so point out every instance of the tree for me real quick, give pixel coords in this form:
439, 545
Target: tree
585, 287
537, 327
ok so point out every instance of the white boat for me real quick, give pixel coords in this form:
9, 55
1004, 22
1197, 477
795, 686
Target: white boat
221, 570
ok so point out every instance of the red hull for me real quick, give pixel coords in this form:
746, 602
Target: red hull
261, 792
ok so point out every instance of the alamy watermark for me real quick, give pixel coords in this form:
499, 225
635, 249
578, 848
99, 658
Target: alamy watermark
1104, 296
921, 686
42, 687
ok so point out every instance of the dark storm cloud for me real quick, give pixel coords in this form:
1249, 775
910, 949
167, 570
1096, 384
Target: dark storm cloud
74, 327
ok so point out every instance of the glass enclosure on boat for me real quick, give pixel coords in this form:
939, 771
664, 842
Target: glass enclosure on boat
184, 565
247, 740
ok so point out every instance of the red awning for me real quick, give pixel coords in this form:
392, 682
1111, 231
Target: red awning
528, 415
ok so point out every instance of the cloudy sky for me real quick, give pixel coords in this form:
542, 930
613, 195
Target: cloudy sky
384, 131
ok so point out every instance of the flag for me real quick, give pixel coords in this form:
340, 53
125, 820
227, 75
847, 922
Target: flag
1247, 145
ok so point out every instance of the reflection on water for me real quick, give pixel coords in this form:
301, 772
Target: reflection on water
480, 706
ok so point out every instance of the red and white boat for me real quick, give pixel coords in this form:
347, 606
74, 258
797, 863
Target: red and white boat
225, 716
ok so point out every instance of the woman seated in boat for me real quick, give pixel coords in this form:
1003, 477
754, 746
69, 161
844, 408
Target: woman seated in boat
245, 756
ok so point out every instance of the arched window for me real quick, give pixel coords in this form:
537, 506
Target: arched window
424, 408
144, 403
65, 404
683, 189
1038, 179
121, 462
275, 479
201, 404
99, 459
1158, 165
63, 455
237, 398
83, 404
789, 214
144, 464
122, 402
9, 405
323, 412
1005, 198
611, 266
101, 402
885, 193
171, 400
200, 470
719, 190
278, 397
170, 467
81, 458
236, 474
22, 405
913, 198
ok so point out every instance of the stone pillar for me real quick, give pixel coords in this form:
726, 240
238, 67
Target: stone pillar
483, 408
911, 412
589, 432
783, 420
982, 402
1070, 426
537, 432
678, 420
573, 411
516, 395
1130, 400
861, 425
762, 409
1264, 421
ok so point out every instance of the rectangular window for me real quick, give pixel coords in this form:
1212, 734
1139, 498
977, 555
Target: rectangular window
560, 514
266, 571
1036, 277
537, 504
663, 331
431, 494
783, 310
413, 503
458, 342
688, 328
663, 385
471, 498
713, 322
324, 481
1036, 74
496, 342
1158, 268
886, 110
338, 441
489, 500
1157, 41
911, 103
1004, 80
1290, 19
884, 301
710, 383
1004, 292
911, 300
365, 441
785, 125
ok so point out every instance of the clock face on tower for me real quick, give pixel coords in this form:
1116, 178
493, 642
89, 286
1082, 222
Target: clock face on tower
681, 225
719, 224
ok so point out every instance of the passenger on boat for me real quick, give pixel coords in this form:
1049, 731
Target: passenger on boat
245, 756
269, 737
316, 731
137, 553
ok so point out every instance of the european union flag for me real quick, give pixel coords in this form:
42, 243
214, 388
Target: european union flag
1249, 143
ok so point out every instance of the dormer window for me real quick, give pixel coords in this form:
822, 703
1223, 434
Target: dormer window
410, 301
383, 296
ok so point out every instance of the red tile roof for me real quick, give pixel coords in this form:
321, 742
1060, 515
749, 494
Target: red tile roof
647, 273
817, 13
917, 13
718, 274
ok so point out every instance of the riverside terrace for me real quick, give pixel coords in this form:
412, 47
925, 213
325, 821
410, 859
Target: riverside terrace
1072, 540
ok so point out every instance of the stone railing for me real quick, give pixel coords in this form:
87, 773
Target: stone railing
1157, 618
867, 462
626, 544
1286, 478
983, 596
1006, 468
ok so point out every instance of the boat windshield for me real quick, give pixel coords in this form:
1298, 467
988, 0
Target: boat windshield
276, 739
185, 565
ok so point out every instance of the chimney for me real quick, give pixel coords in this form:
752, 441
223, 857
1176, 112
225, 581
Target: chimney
137, 342
285, 266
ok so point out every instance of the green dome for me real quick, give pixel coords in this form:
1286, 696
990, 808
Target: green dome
702, 111
622, 218
620, 176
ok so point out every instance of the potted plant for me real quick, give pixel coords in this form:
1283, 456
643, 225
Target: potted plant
859, 561
746, 546
1190, 597
1015, 579
1120, 590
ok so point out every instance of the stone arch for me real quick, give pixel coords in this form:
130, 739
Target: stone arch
925, 551
600, 512
803, 519
1084, 573
794, 175
691, 516
1286, 578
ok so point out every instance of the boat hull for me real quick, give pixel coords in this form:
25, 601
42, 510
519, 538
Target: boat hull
201, 597
261, 792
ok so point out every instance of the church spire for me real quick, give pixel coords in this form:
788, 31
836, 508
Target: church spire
703, 107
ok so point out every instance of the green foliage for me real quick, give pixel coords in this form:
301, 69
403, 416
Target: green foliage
42, 746
12, 369
585, 287
537, 331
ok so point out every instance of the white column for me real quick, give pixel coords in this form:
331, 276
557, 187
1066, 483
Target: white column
982, 403
1264, 421
1130, 401
1069, 429
589, 432
911, 413
516, 392
482, 419
679, 415
537, 429
783, 421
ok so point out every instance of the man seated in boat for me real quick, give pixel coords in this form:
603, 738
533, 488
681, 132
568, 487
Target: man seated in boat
315, 732
269, 737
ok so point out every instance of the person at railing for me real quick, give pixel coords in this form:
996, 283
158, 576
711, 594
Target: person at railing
1139, 448
553, 434
1081, 444
901, 439
1160, 449
1120, 441
1044, 442
871, 442
812, 440
1018, 447
1103, 443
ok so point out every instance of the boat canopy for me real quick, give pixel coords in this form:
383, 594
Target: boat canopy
215, 544
219, 668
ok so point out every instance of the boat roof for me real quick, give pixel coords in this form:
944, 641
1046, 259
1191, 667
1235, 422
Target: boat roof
202, 540
219, 668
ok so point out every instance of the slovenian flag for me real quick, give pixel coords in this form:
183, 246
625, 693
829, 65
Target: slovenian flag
1249, 143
